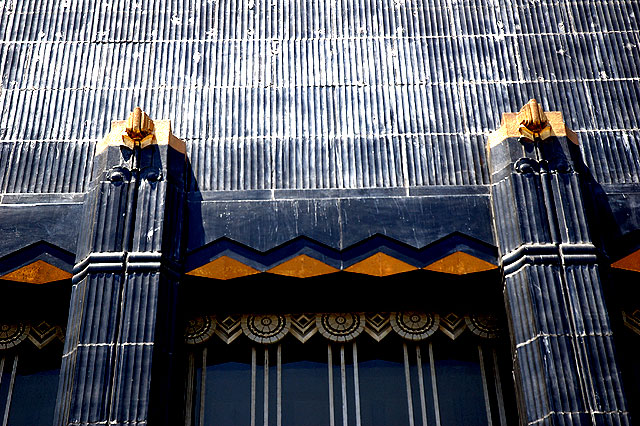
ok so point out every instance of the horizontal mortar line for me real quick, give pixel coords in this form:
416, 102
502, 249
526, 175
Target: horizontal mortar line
321, 38
322, 136
316, 86
104, 422
335, 135
630, 129
137, 8
43, 203
539, 335
48, 140
551, 413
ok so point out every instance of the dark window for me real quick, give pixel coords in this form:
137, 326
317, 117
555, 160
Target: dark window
438, 381
29, 385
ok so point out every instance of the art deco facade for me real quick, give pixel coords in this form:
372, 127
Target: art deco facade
319, 213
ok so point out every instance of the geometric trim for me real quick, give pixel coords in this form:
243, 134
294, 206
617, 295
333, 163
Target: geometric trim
40, 334
341, 327
452, 325
303, 257
630, 262
12, 335
38, 272
414, 325
303, 326
228, 328
632, 320
486, 326
44, 333
199, 329
265, 328
377, 325
460, 263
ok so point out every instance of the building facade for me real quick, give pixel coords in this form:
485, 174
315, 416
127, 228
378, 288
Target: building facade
319, 213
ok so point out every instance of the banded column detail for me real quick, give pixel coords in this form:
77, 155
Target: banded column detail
564, 358
124, 297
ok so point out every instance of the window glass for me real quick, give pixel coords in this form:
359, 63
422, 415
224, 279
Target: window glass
383, 390
227, 386
305, 384
29, 385
459, 383
318, 383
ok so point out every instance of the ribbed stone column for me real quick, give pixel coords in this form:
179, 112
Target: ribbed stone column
564, 358
120, 334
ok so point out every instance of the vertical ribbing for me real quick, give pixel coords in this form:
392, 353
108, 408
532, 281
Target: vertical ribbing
45, 167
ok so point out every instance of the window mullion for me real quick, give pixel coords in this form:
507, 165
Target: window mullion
496, 375
191, 376
356, 382
11, 382
485, 388
279, 385
253, 386
423, 399
343, 377
434, 385
331, 402
407, 376
203, 385
266, 387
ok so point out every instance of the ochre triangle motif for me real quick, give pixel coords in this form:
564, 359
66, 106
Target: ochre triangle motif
223, 268
460, 263
630, 262
380, 265
302, 266
38, 272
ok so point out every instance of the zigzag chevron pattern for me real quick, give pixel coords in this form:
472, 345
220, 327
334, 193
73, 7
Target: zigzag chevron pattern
378, 256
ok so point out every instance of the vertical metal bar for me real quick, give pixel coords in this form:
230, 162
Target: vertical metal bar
356, 382
434, 385
485, 388
279, 386
423, 398
1, 369
332, 420
343, 378
407, 377
253, 386
203, 385
266, 387
191, 378
10, 391
496, 375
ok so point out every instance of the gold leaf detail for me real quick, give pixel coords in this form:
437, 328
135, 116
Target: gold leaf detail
38, 272
223, 268
460, 263
380, 265
302, 266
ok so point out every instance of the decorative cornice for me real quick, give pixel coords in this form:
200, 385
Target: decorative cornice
532, 123
304, 266
40, 333
138, 130
339, 327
